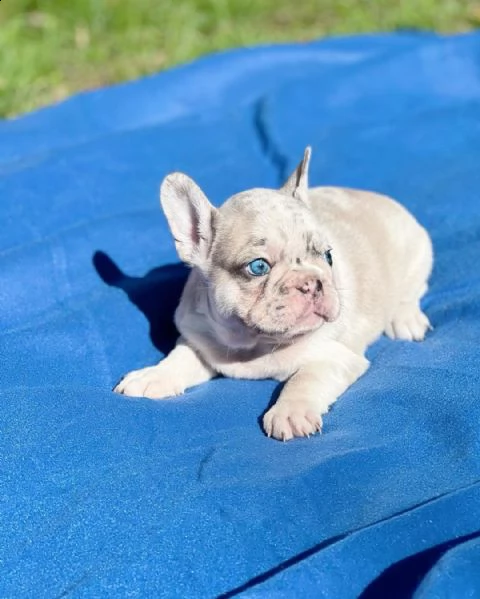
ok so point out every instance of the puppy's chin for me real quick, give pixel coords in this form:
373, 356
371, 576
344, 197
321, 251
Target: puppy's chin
286, 335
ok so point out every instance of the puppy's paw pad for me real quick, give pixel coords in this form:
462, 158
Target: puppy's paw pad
148, 382
409, 324
289, 421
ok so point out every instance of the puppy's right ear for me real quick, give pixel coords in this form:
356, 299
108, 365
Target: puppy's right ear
297, 184
190, 216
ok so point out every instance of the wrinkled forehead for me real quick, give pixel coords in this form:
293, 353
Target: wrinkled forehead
263, 217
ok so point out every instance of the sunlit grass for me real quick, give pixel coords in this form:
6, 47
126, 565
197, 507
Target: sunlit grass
50, 49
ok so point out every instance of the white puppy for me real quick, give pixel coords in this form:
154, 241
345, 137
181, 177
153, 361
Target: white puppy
291, 284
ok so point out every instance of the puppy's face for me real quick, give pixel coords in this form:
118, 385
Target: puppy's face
268, 266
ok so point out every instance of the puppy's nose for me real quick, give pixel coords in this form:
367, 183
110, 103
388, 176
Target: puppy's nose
312, 285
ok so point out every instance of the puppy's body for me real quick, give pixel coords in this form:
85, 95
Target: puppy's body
307, 322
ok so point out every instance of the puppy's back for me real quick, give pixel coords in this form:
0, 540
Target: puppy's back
369, 219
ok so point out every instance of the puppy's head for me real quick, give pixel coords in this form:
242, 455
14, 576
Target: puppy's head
267, 263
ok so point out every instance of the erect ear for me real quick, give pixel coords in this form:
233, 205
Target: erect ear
190, 216
297, 184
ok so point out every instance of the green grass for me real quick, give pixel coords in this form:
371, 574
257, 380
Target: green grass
50, 49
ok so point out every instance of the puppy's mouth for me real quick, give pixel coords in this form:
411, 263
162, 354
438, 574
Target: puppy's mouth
326, 316
292, 324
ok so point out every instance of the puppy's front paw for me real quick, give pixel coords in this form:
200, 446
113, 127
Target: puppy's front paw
295, 419
409, 323
152, 382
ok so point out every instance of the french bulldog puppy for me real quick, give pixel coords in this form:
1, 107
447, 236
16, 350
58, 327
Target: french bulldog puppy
291, 284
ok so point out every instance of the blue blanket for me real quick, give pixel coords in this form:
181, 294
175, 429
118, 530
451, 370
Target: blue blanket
102, 496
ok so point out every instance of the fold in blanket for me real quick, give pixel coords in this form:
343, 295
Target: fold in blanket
103, 496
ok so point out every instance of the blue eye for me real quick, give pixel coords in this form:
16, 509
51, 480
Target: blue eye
328, 257
258, 267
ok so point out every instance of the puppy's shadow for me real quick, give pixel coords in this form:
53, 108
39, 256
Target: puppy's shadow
156, 294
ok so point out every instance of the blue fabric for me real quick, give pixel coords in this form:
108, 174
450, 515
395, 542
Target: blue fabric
102, 496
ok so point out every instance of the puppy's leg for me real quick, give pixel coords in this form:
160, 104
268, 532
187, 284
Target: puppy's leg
311, 391
182, 368
408, 321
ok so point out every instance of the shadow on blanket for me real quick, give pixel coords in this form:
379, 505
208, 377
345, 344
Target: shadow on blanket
156, 295
402, 578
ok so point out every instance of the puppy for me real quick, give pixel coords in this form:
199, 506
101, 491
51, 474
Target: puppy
291, 284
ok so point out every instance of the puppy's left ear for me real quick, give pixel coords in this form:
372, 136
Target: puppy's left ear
297, 184
190, 216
